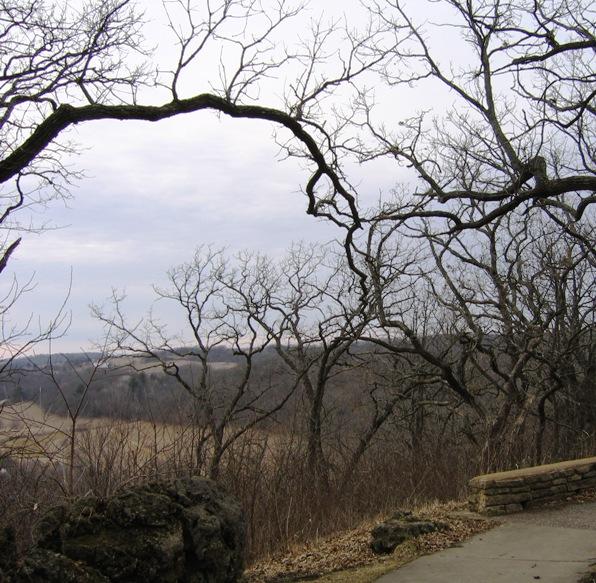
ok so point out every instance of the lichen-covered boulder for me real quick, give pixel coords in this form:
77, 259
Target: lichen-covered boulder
399, 528
43, 566
185, 530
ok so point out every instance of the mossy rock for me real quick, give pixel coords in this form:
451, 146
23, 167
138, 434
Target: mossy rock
185, 530
400, 527
43, 566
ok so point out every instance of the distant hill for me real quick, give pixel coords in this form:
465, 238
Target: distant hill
59, 359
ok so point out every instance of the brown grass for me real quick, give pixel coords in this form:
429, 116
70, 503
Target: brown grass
266, 470
31, 432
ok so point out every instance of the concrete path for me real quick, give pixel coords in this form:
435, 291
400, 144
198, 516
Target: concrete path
545, 546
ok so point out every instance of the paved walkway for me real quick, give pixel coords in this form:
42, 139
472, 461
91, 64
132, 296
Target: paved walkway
544, 546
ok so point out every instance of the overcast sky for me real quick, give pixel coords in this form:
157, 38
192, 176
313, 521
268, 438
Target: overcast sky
152, 194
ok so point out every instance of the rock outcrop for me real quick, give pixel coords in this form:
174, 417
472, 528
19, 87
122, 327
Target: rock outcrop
399, 528
185, 530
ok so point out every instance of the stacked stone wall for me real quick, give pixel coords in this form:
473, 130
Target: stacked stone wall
516, 490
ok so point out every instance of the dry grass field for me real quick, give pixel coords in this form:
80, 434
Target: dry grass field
28, 432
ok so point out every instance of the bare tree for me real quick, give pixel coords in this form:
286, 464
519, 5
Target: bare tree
74, 404
516, 141
63, 65
308, 306
519, 132
509, 316
225, 406
18, 339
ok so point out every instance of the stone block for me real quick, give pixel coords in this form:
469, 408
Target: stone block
538, 478
494, 491
589, 483
507, 499
495, 510
552, 491
510, 483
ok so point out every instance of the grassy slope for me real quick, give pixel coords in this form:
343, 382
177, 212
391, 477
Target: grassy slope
347, 556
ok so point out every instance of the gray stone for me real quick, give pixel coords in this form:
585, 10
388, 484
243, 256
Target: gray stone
507, 490
548, 492
506, 499
495, 510
399, 528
